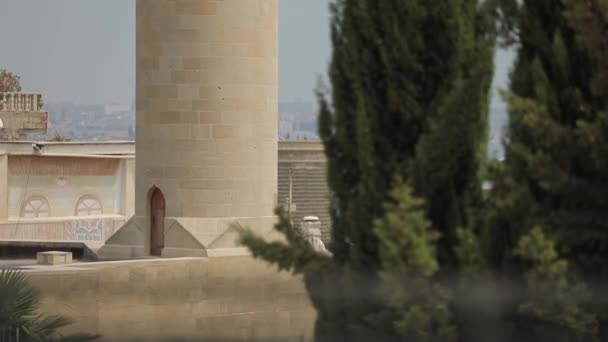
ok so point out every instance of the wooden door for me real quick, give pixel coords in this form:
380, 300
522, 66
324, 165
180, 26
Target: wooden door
157, 222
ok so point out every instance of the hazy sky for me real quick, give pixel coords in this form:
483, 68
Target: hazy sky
83, 51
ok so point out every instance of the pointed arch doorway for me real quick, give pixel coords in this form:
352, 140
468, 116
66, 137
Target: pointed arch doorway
157, 222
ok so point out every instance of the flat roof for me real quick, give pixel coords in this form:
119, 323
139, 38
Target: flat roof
101, 149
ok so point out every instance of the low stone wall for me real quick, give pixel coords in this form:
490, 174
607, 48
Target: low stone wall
204, 299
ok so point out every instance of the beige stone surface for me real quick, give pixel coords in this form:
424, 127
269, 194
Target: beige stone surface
186, 237
93, 168
213, 152
91, 149
211, 299
54, 258
207, 88
62, 166
104, 179
25, 121
128, 179
3, 187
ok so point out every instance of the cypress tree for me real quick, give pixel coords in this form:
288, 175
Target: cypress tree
409, 97
554, 176
450, 157
393, 62
590, 20
418, 305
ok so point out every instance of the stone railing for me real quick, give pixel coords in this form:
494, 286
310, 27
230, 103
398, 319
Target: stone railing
20, 102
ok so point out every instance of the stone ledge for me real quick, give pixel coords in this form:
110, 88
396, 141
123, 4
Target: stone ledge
227, 252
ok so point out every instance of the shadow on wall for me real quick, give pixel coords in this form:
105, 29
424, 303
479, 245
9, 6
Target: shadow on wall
28, 249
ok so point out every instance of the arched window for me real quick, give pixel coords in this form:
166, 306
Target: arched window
88, 205
35, 206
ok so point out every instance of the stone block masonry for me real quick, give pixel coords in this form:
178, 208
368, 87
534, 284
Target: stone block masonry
207, 102
206, 106
54, 258
203, 299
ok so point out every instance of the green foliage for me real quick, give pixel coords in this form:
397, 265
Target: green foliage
396, 70
59, 138
409, 98
19, 303
9, 82
329, 286
552, 308
590, 20
19, 313
554, 174
407, 245
295, 254
406, 237
450, 158
469, 252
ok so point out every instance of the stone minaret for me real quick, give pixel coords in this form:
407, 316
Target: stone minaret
207, 87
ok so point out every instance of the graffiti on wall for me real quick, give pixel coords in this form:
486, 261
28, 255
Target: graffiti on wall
88, 230
92, 229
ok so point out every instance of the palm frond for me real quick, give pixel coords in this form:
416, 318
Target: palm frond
19, 304
18, 299
43, 327
79, 338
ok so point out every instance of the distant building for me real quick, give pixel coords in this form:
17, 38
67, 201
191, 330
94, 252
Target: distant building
303, 136
302, 173
117, 109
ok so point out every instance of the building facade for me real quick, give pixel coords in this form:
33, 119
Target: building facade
65, 191
302, 185
86, 191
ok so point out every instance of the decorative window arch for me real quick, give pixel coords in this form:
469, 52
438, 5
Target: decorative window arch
88, 205
36, 206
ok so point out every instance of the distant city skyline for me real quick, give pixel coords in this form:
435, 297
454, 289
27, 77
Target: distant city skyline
83, 51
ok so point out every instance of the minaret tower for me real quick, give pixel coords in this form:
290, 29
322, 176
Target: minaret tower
207, 88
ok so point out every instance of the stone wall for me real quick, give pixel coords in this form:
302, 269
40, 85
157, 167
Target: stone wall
23, 122
62, 181
203, 299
